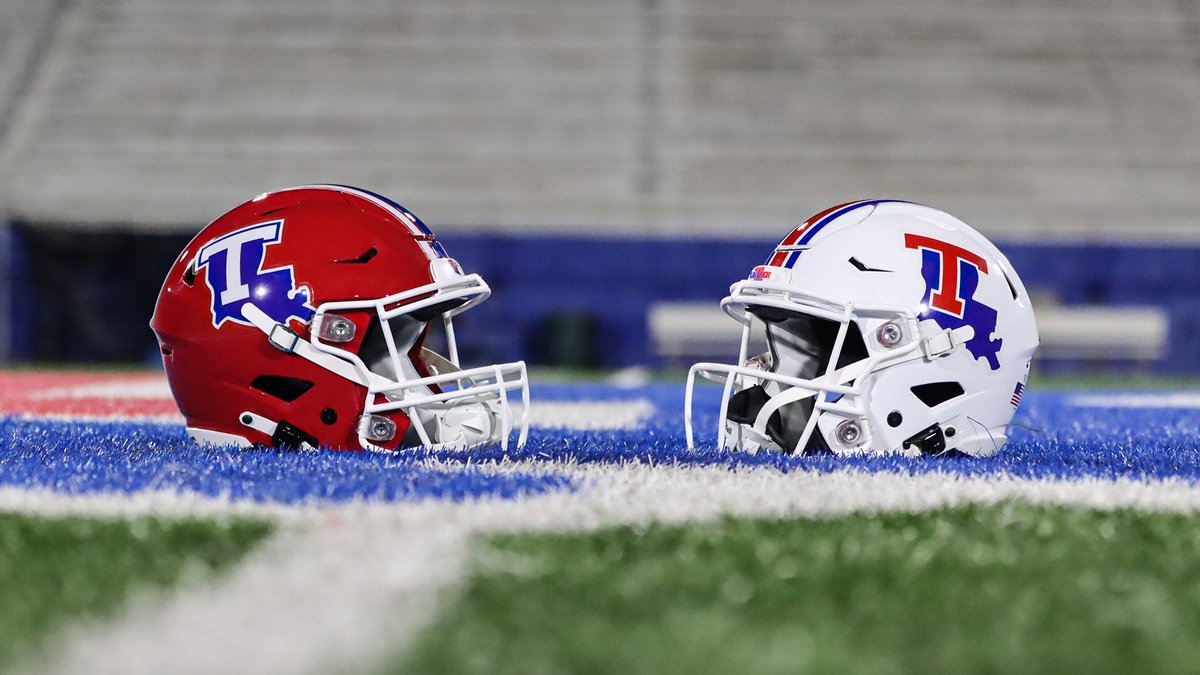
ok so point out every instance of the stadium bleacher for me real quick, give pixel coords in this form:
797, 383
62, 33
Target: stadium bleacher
1066, 119
529, 121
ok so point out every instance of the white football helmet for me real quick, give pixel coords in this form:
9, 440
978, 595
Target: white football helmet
890, 326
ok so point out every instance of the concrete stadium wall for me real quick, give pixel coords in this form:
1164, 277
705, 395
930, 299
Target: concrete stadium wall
1033, 119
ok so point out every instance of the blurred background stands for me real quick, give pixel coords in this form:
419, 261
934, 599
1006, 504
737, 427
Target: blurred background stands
594, 160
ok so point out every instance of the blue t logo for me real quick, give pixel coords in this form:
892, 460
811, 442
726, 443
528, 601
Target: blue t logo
235, 276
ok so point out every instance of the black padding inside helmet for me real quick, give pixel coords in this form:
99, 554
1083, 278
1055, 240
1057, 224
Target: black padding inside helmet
373, 350
802, 347
821, 333
412, 439
770, 314
286, 389
745, 405
406, 332
437, 310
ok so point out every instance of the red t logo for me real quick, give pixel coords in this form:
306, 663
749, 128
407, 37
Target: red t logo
946, 297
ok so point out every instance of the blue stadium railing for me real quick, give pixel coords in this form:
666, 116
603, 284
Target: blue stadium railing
103, 285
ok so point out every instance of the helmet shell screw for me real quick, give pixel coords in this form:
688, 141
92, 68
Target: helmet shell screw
849, 432
890, 334
337, 329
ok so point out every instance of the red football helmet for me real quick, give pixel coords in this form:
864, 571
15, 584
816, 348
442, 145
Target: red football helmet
299, 318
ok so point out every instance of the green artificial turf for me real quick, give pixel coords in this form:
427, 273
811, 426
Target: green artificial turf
1003, 589
53, 571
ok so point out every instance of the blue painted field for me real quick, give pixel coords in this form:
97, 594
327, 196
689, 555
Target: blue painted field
634, 545
1055, 437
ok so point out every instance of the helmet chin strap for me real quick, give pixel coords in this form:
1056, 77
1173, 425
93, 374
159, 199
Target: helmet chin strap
751, 440
286, 340
271, 428
787, 396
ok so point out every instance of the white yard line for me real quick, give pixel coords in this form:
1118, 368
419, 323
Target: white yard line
578, 416
157, 504
173, 419
354, 583
138, 388
590, 415
311, 600
1181, 400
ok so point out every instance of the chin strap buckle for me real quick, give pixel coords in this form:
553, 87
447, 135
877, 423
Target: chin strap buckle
929, 441
945, 341
283, 435
283, 338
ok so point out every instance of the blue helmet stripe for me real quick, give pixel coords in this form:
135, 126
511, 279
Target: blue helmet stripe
391, 203
812, 231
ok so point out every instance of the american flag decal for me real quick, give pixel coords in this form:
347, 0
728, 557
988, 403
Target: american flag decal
1016, 397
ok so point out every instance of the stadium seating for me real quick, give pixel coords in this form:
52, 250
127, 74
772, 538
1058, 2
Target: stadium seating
23, 33
1063, 119
602, 157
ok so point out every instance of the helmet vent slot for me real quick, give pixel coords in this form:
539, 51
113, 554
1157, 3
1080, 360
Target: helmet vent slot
285, 389
362, 259
936, 393
863, 267
189, 276
1012, 288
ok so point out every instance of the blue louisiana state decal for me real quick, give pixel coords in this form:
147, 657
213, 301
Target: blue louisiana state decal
234, 273
951, 276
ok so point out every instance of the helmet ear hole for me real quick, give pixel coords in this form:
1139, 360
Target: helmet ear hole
934, 394
286, 389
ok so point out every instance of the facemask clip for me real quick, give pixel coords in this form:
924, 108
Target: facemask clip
336, 329
376, 428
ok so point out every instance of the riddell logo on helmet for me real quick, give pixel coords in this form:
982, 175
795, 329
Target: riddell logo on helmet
759, 273
233, 272
951, 276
